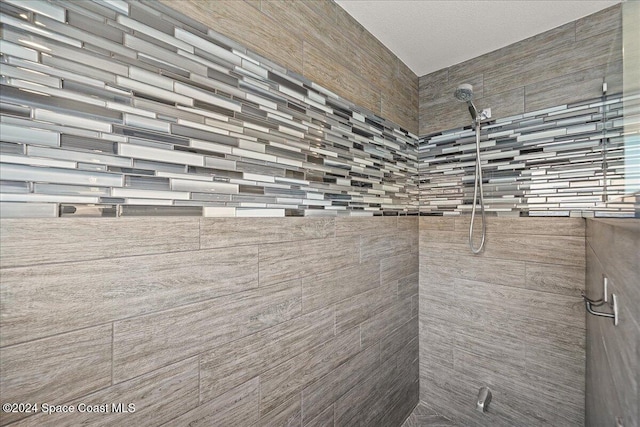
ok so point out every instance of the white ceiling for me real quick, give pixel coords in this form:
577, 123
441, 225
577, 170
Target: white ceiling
428, 35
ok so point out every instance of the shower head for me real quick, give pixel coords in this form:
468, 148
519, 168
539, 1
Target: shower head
464, 93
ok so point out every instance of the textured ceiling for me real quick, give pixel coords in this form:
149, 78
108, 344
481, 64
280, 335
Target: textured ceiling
429, 35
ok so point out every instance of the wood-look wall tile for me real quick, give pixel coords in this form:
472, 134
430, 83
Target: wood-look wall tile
324, 419
599, 22
544, 404
227, 232
404, 113
415, 305
439, 239
436, 342
286, 261
436, 223
144, 343
378, 65
561, 367
448, 391
398, 411
395, 341
520, 302
322, 290
318, 396
228, 365
56, 369
409, 223
38, 241
585, 53
354, 226
407, 76
434, 289
430, 248
158, 396
348, 25
408, 286
317, 29
429, 86
239, 406
399, 110
379, 326
369, 49
254, 3
559, 38
483, 269
574, 87
398, 267
565, 280
548, 335
47, 299
288, 414
355, 310
437, 116
289, 378
462, 314
358, 405
374, 401
505, 102
326, 36
617, 246
560, 250
328, 10
538, 226
601, 402
410, 353
382, 246
493, 350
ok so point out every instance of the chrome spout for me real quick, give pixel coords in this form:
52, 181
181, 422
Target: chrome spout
484, 398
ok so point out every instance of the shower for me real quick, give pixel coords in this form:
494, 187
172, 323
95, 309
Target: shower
464, 93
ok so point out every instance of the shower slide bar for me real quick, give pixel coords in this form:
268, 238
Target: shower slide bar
589, 304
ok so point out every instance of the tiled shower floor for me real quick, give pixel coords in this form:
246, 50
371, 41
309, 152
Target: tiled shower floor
423, 416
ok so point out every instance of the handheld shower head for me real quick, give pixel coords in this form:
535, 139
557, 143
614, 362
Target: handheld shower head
464, 93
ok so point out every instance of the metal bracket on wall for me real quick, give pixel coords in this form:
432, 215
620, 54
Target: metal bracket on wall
589, 304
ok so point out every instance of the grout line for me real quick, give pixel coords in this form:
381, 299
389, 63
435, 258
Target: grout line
199, 379
113, 359
200, 234
259, 269
57, 334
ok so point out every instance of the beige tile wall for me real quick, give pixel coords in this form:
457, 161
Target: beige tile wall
560, 66
613, 352
234, 322
321, 41
511, 318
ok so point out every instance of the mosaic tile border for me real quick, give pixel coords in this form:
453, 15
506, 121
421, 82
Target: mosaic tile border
118, 107
567, 160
